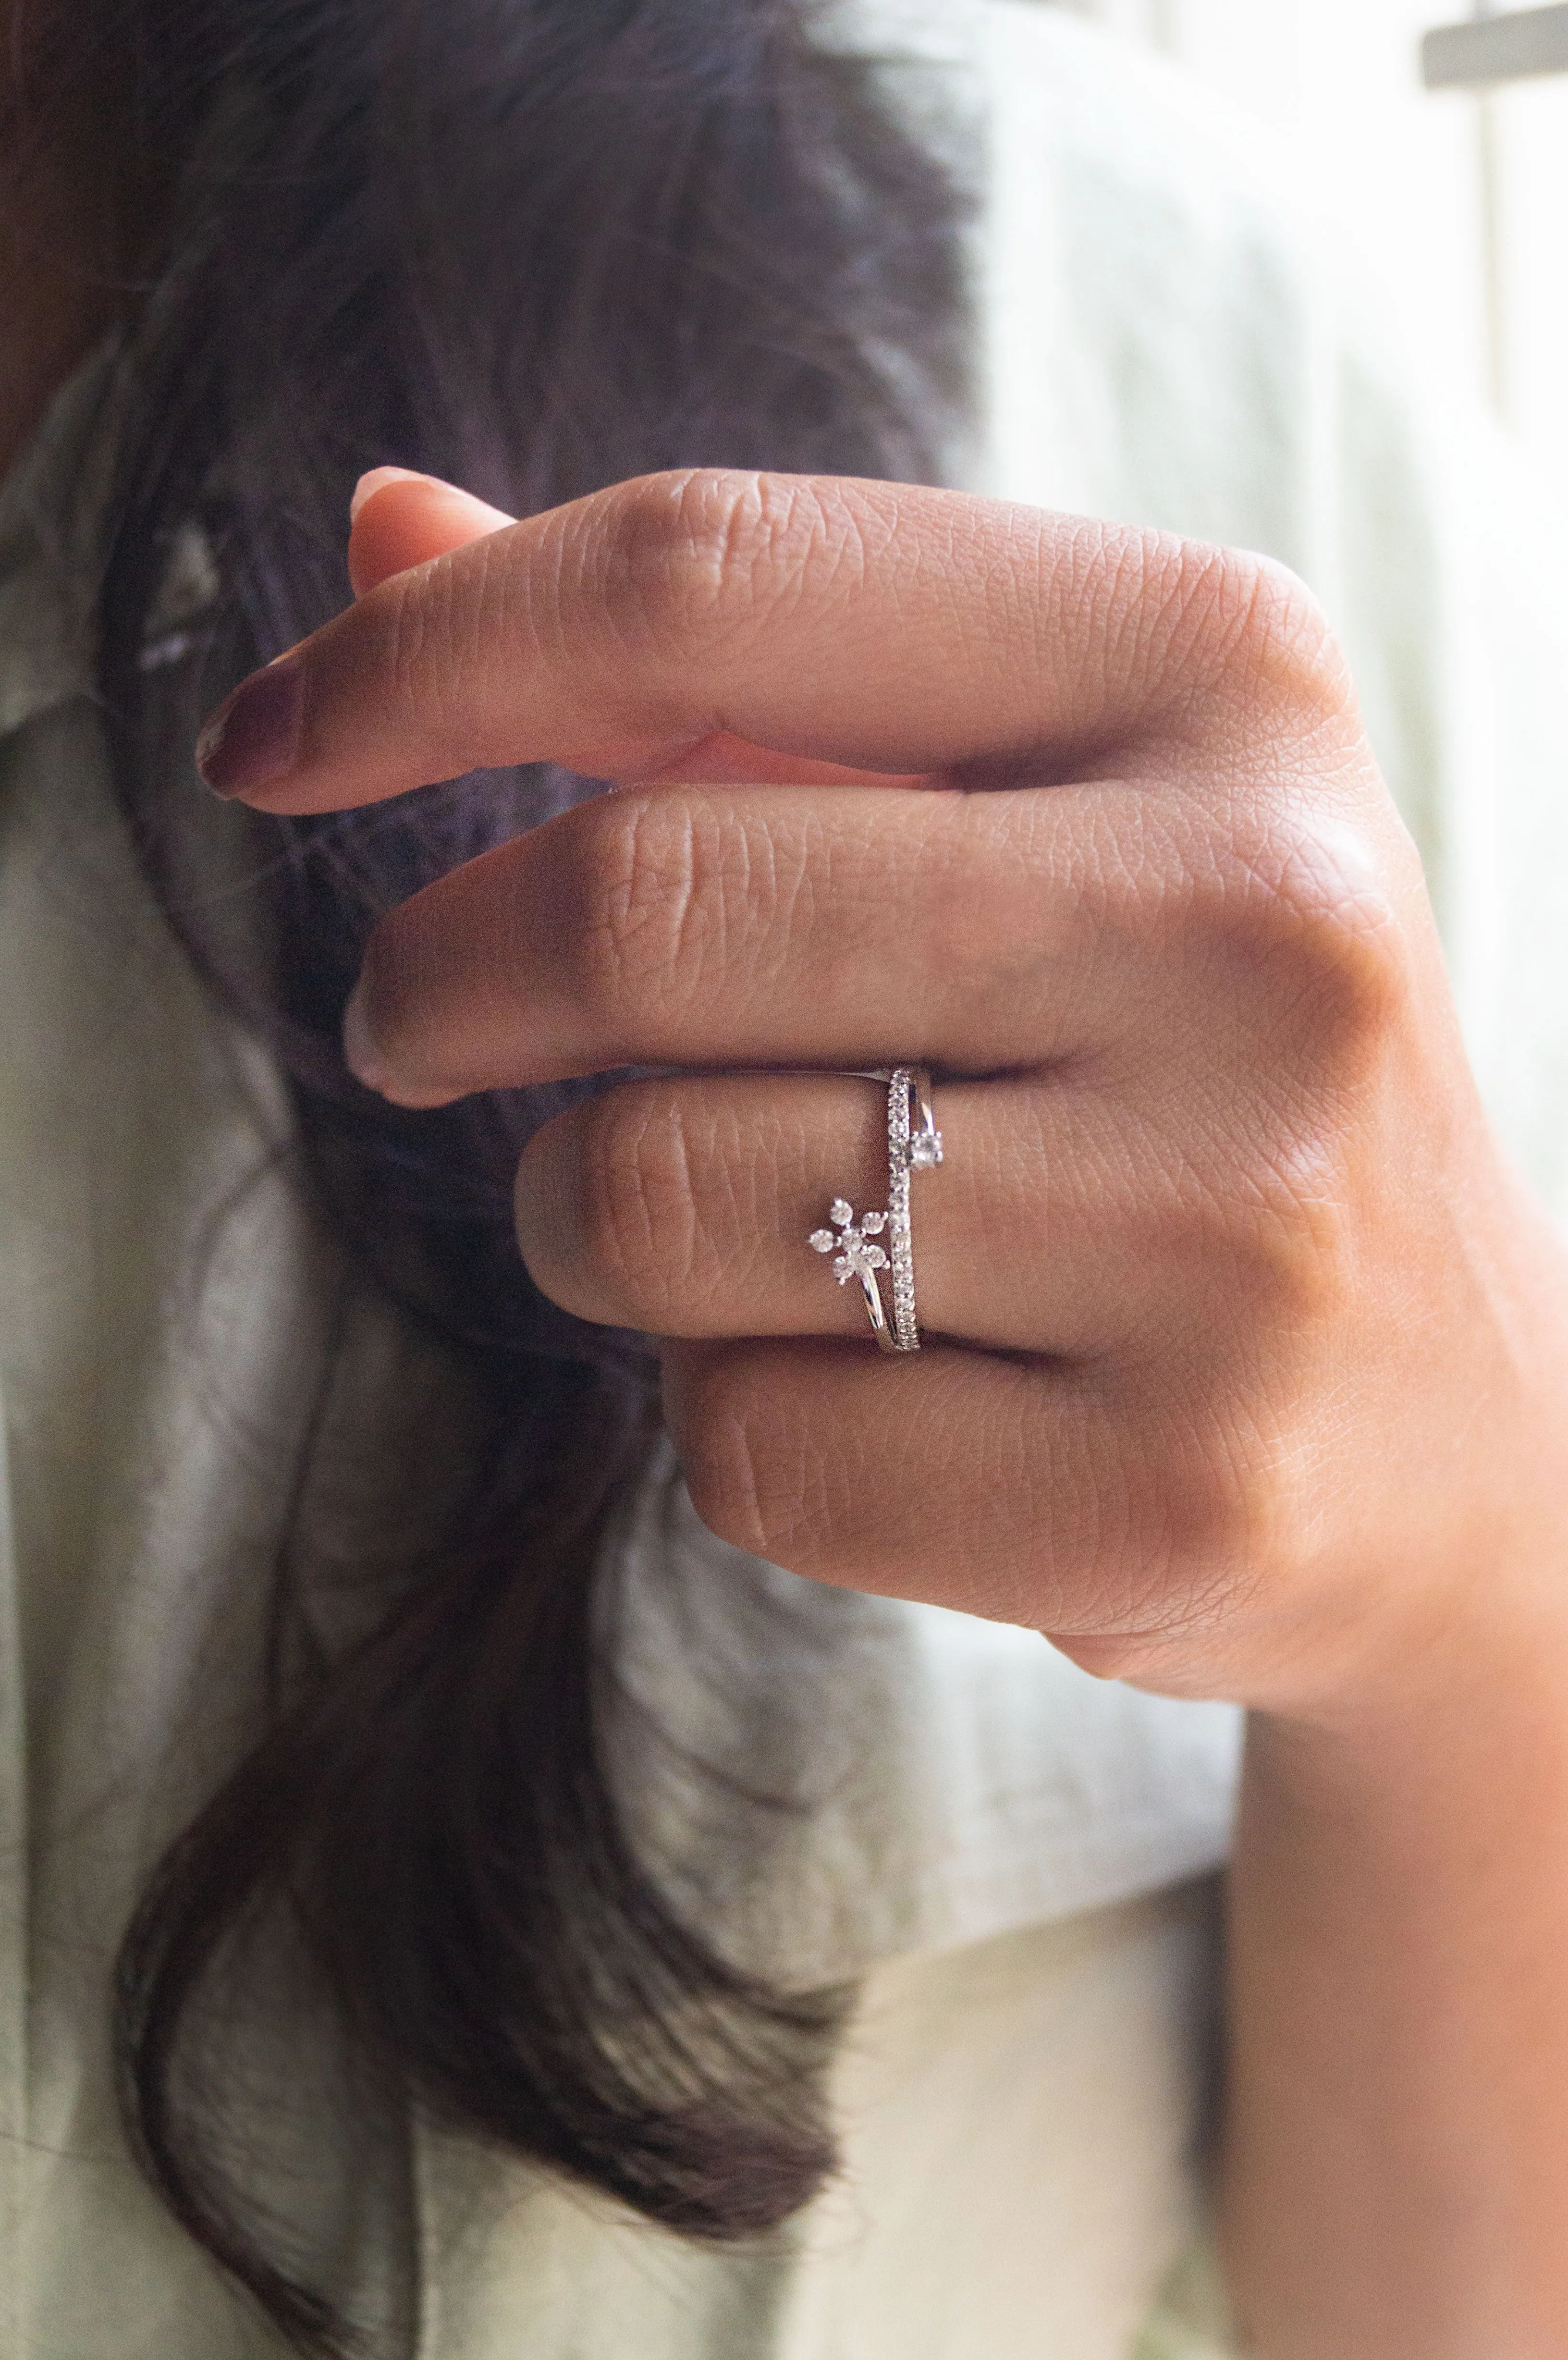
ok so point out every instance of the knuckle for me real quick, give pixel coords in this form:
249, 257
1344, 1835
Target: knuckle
418, 618
1290, 1256
689, 556
1245, 660
639, 1236
1258, 1236
668, 888
764, 1472
1299, 911
632, 929
1271, 640
1331, 946
1296, 939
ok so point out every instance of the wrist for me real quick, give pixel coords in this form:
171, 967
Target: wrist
1459, 1592
1474, 1697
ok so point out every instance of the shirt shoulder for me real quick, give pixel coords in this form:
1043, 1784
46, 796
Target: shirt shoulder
1155, 305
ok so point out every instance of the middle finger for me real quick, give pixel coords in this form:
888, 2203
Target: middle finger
788, 926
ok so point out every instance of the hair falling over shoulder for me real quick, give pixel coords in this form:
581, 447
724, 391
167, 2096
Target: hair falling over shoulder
535, 246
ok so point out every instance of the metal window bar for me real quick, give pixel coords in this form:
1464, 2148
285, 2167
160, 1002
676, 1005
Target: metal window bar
1509, 47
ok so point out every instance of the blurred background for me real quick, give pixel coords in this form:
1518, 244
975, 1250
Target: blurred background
1456, 196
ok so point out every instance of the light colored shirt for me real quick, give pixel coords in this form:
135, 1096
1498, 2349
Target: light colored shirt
1008, 1852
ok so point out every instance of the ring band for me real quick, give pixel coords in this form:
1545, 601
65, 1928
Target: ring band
858, 1257
914, 1144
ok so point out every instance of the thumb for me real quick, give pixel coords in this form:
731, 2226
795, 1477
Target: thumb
400, 518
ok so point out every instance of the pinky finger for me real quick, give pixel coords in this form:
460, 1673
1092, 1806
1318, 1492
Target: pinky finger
1020, 1489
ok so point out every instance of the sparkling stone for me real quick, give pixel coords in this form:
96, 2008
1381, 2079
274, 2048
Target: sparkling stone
823, 1242
925, 1151
874, 1224
841, 1211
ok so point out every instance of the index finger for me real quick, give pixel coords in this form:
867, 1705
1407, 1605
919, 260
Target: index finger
881, 626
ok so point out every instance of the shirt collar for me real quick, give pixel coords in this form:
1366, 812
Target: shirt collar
50, 550
940, 32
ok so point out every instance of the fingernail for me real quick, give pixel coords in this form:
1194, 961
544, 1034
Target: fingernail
254, 737
370, 483
360, 1051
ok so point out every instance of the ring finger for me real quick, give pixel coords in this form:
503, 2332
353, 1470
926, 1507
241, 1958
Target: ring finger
683, 1207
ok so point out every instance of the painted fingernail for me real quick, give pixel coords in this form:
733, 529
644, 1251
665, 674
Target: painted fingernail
254, 737
361, 1054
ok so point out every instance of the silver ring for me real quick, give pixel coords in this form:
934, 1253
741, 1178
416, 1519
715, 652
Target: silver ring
914, 1144
858, 1257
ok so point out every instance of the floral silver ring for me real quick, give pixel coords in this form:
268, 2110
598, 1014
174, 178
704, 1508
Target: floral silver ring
914, 1144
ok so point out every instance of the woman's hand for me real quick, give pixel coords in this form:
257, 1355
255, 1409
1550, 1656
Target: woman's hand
1244, 1370
1241, 1350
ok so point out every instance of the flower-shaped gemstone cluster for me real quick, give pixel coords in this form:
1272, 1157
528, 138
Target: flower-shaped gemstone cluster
852, 1242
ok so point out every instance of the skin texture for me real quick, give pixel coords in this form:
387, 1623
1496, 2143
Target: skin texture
1244, 1372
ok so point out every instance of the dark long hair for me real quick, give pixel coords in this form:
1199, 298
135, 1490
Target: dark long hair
534, 245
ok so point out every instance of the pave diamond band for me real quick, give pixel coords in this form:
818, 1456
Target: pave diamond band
914, 1144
